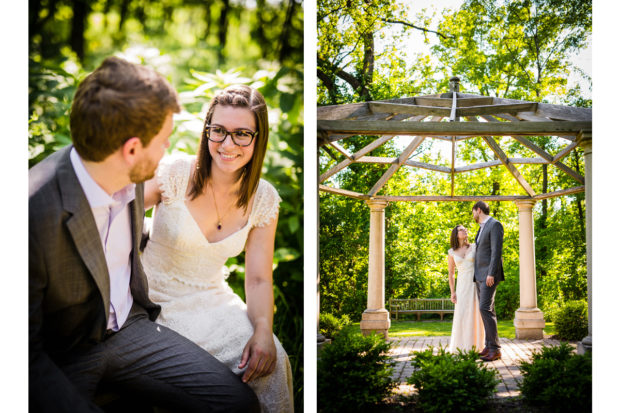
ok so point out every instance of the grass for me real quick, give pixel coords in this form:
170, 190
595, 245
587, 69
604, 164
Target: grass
432, 327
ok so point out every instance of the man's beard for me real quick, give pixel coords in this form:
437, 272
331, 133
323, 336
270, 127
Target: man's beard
142, 171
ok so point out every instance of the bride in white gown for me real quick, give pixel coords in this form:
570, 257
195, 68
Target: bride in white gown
467, 327
210, 207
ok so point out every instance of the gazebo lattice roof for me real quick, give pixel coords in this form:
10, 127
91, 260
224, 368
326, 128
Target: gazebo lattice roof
452, 117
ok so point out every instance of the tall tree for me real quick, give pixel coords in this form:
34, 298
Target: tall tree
349, 66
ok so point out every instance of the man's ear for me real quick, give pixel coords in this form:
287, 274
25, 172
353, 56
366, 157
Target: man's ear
131, 150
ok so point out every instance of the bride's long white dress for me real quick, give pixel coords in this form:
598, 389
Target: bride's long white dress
186, 275
467, 327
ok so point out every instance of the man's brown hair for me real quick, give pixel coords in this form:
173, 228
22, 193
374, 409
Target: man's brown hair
482, 206
240, 97
116, 102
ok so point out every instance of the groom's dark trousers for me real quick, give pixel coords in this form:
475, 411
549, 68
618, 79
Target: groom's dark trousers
71, 352
488, 261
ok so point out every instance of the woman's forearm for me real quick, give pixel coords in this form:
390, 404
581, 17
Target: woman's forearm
259, 298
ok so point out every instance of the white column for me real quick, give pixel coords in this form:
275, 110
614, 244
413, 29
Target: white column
376, 318
529, 320
585, 142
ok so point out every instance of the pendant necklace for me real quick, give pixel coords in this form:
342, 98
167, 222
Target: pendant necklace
217, 212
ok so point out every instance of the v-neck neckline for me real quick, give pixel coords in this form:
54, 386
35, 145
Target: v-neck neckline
197, 226
466, 252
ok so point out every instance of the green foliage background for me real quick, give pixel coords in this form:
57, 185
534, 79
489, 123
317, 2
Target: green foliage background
201, 47
508, 49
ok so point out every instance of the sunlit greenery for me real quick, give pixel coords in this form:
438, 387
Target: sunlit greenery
201, 47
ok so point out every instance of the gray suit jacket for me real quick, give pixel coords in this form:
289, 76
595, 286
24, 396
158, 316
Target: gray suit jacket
69, 285
489, 244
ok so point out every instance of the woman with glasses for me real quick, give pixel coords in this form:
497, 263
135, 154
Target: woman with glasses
211, 207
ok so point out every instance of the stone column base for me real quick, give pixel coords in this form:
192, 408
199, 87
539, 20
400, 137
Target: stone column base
377, 321
584, 345
529, 323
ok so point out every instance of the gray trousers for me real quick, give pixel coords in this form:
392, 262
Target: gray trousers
154, 363
486, 298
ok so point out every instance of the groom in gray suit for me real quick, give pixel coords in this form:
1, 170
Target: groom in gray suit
91, 321
488, 272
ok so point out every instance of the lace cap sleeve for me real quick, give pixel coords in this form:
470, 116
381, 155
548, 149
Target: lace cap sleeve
450, 252
172, 176
266, 205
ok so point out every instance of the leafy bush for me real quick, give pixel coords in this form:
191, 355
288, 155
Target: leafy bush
571, 321
551, 310
354, 372
451, 382
558, 380
330, 325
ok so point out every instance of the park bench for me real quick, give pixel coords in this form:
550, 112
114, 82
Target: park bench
419, 306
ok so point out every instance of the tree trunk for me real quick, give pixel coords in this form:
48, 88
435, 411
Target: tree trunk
368, 67
123, 14
578, 203
542, 221
81, 9
259, 30
285, 47
34, 8
208, 4
223, 30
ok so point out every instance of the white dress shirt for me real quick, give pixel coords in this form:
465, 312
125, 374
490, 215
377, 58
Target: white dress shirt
113, 218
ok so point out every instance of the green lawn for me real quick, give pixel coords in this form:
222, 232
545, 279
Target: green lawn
505, 328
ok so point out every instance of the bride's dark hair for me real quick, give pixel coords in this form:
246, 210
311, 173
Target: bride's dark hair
454, 238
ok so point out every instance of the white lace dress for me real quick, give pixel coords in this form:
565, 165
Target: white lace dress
186, 277
467, 327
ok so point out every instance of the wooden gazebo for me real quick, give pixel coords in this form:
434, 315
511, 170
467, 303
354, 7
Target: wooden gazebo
454, 117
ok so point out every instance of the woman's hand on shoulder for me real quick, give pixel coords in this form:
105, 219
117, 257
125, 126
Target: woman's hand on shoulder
259, 355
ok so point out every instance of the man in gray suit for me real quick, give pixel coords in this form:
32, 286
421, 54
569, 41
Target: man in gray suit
488, 272
90, 318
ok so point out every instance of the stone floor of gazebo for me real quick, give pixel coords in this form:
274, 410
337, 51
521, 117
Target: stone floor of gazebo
513, 350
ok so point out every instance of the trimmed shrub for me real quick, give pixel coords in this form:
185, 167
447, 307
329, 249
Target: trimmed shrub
571, 321
452, 382
354, 372
558, 380
330, 325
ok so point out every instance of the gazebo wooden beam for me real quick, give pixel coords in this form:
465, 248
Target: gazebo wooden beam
550, 158
493, 109
451, 128
511, 168
350, 110
532, 117
555, 112
564, 152
395, 166
490, 164
344, 192
340, 149
447, 102
554, 194
371, 146
458, 198
377, 107
383, 107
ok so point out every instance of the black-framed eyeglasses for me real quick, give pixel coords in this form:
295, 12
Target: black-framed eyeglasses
240, 137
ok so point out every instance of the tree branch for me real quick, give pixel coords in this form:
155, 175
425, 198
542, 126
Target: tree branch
418, 28
347, 77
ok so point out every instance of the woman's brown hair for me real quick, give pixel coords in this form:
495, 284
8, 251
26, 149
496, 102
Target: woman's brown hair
454, 238
241, 97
